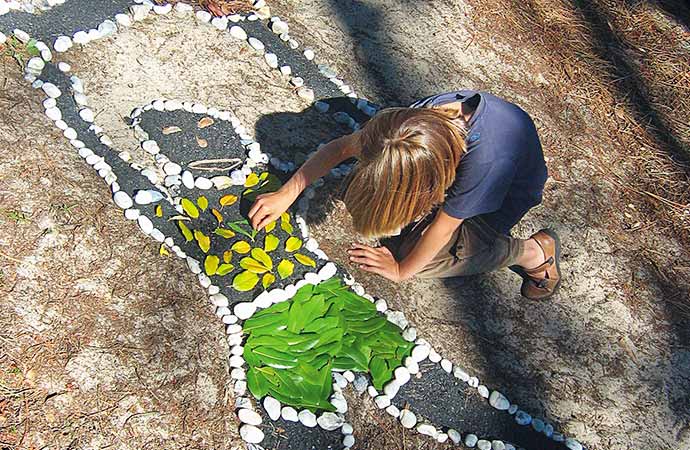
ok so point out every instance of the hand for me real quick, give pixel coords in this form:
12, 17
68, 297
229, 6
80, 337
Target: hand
377, 260
268, 207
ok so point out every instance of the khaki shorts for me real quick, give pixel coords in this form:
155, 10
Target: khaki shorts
474, 248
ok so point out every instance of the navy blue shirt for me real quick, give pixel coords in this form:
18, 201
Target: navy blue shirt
502, 174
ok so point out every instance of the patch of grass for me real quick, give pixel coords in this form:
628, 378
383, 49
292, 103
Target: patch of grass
16, 215
19, 51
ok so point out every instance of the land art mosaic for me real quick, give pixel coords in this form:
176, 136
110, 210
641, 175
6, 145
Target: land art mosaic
300, 329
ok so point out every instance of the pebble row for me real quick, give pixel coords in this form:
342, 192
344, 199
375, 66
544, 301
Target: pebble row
242, 311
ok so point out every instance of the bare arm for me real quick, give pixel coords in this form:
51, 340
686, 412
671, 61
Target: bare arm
380, 260
268, 207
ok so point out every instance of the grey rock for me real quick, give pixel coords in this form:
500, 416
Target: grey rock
572, 444
471, 440
499, 401
522, 418
497, 445
483, 444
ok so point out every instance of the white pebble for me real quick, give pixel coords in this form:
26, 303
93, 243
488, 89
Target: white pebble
408, 418
307, 418
272, 407
122, 200
309, 54
251, 434
62, 44
249, 417
289, 413
238, 32
446, 365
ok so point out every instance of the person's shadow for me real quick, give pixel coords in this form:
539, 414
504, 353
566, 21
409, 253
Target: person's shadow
293, 136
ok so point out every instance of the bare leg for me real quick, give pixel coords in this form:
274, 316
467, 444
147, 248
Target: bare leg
532, 255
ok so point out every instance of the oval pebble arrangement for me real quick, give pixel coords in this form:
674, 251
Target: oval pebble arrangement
289, 313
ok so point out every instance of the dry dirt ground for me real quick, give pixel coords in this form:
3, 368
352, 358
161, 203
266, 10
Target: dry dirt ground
105, 344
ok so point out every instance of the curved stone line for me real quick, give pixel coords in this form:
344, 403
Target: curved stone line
572, 444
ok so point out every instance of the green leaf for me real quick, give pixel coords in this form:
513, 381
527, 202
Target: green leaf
202, 202
224, 269
292, 244
189, 208
261, 256
203, 241
270, 243
245, 281
285, 269
241, 247
252, 265
379, 372
268, 319
211, 264
257, 383
275, 358
186, 232
304, 260
237, 227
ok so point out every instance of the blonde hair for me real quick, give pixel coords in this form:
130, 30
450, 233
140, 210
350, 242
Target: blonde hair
408, 160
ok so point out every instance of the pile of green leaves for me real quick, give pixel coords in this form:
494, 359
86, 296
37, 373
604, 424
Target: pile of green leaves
293, 346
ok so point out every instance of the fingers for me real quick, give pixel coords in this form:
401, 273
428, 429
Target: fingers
258, 203
265, 221
259, 214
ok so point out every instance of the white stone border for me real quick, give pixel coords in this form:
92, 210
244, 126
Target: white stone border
245, 310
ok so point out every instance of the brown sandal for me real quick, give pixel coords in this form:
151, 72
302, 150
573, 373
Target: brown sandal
535, 286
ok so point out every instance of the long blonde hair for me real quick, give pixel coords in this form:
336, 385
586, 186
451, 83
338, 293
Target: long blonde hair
408, 160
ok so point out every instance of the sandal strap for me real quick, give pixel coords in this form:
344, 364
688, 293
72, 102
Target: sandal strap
540, 268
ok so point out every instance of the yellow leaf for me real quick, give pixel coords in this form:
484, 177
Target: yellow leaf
241, 247
263, 176
228, 200
163, 250
286, 226
305, 260
217, 215
270, 227
202, 202
211, 264
268, 280
285, 268
227, 256
261, 256
252, 265
185, 231
252, 180
171, 130
159, 211
271, 243
293, 244
203, 240
285, 217
224, 269
205, 122
224, 232
245, 281
189, 208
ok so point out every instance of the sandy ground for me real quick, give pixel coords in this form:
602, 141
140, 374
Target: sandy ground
102, 350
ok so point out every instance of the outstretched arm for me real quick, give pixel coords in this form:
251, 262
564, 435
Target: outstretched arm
268, 207
380, 260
